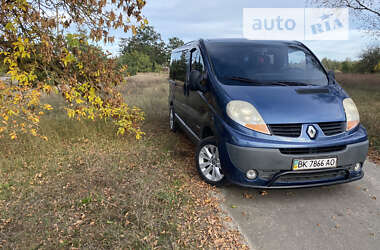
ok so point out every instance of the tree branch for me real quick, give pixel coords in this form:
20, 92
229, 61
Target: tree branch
367, 8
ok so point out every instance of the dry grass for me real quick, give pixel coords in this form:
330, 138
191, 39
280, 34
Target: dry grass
365, 90
87, 188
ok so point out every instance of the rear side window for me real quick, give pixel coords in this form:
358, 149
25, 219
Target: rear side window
178, 66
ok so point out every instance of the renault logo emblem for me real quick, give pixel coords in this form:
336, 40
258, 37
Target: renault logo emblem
311, 131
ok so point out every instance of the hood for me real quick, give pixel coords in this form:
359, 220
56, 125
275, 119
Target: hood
289, 104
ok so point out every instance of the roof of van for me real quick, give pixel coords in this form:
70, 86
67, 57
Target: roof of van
245, 41
210, 42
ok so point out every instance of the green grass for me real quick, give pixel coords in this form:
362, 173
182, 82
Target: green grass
88, 188
364, 89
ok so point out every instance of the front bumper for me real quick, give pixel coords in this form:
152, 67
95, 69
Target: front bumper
275, 168
274, 185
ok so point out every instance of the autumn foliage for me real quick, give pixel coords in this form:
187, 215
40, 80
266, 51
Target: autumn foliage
41, 59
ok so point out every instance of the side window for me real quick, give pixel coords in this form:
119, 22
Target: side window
172, 70
197, 63
296, 59
178, 66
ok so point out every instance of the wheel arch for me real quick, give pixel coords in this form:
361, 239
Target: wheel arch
207, 131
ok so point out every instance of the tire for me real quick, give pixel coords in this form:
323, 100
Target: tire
208, 162
173, 125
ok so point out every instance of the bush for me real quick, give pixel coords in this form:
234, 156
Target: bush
137, 62
369, 63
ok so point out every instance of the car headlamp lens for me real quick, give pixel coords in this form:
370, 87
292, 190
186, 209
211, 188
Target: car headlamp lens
247, 115
352, 114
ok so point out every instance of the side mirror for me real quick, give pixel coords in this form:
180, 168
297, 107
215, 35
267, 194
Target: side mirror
195, 80
331, 76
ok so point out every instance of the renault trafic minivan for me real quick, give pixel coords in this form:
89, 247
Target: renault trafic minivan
265, 114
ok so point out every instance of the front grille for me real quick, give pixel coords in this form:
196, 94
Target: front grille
332, 128
302, 151
288, 130
307, 177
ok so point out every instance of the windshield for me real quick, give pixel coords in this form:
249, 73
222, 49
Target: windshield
253, 64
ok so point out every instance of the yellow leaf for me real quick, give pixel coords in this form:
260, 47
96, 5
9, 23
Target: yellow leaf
79, 101
46, 88
71, 113
121, 131
134, 31
9, 26
92, 92
33, 132
11, 112
13, 135
48, 107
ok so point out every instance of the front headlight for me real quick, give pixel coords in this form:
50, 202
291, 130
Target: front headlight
352, 114
247, 115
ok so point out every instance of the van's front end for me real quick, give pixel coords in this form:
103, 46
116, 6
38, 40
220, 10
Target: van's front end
282, 121
281, 160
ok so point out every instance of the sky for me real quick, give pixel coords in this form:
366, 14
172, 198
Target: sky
191, 20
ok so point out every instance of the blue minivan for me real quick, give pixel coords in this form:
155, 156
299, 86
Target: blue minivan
265, 114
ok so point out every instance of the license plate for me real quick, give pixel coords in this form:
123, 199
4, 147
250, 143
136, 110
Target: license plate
314, 163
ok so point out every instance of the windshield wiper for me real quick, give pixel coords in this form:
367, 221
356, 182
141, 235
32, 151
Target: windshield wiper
294, 83
244, 79
256, 82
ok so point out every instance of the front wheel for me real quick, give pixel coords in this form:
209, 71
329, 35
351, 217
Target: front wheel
208, 162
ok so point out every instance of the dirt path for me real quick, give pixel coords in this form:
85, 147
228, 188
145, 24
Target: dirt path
337, 217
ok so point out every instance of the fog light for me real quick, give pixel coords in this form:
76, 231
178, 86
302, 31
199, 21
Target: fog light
251, 174
358, 167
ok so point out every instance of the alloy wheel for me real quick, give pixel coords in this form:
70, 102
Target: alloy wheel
209, 163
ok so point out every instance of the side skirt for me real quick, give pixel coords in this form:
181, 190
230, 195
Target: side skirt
194, 137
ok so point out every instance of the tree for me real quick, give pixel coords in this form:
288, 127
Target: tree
146, 41
367, 12
41, 60
370, 60
174, 43
346, 66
